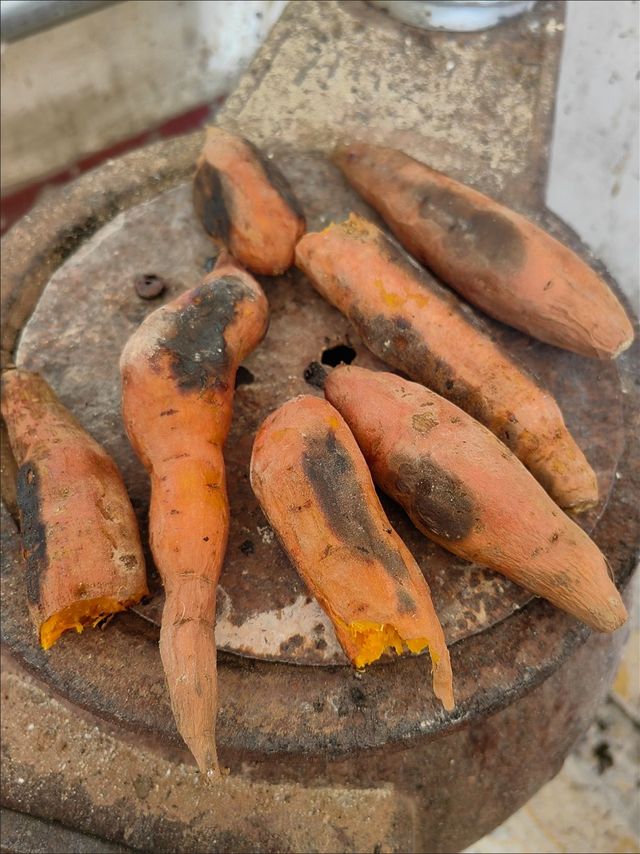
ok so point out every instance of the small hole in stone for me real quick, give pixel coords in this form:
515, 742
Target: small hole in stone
244, 377
337, 355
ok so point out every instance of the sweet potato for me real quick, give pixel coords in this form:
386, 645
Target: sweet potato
465, 490
178, 372
411, 322
493, 256
316, 491
245, 204
80, 537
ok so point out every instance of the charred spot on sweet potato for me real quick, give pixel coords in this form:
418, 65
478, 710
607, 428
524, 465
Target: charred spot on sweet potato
277, 180
406, 602
436, 498
197, 344
334, 481
396, 341
486, 235
32, 528
209, 202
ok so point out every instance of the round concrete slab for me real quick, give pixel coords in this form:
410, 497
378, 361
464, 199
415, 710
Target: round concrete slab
89, 309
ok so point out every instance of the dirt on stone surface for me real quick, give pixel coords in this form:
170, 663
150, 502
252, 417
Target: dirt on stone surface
91, 781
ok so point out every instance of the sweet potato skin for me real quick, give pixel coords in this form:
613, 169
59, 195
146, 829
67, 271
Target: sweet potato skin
493, 256
178, 372
79, 532
245, 204
314, 487
465, 490
407, 319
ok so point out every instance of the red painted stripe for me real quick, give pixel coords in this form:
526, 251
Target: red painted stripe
16, 205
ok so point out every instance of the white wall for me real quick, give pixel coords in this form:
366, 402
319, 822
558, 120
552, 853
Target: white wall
85, 85
594, 179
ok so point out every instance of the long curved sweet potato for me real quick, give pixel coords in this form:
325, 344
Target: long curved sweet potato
245, 204
314, 487
80, 537
493, 256
178, 372
407, 319
465, 490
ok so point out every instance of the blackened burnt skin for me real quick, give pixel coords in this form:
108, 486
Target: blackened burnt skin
197, 344
333, 479
398, 343
277, 180
484, 237
34, 541
434, 498
209, 202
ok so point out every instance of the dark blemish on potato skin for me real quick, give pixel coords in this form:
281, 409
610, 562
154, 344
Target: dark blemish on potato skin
422, 277
475, 235
209, 202
406, 602
407, 351
332, 476
32, 529
433, 498
277, 180
197, 343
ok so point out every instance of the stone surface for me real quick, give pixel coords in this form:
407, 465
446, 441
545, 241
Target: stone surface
59, 765
477, 106
23, 834
264, 610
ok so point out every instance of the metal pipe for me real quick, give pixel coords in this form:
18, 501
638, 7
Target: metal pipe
22, 18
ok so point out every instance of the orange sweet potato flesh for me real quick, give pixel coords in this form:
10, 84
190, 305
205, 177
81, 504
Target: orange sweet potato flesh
411, 322
465, 490
493, 256
316, 490
245, 204
178, 371
80, 537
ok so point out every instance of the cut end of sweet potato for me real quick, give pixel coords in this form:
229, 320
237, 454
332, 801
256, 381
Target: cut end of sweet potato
370, 640
373, 639
87, 612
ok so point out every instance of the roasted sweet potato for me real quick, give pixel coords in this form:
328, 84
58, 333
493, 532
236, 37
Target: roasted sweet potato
316, 491
411, 322
493, 256
178, 372
466, 491
245, 203
80, 537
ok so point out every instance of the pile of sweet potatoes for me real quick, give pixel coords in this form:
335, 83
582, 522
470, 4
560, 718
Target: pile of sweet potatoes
463, 438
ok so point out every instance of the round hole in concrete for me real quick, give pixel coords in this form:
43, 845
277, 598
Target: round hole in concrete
244, 376
340, 354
